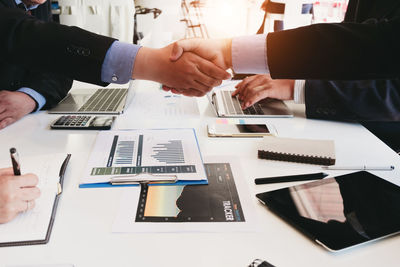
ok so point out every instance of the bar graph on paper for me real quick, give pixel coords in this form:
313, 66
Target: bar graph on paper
169, 153
124, 153
155, 151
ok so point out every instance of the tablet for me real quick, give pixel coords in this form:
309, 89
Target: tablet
339, 212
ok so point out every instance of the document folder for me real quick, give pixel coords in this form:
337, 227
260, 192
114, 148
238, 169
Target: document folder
46, 237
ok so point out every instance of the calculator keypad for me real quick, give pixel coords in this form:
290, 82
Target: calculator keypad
73, 121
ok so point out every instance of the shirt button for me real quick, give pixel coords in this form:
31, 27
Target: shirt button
114, 78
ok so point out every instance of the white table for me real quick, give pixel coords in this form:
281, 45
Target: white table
82, 230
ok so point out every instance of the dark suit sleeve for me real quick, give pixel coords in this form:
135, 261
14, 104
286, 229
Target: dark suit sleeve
53, 87
362, 100
52, 47
336, 51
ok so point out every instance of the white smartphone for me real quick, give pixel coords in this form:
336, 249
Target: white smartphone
240, 130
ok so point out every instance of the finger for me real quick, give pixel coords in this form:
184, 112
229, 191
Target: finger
253, 82
2, 108
22, 206
176, 91
27, 180
29, 193
237, 92
192, 92
6, 171
166, 88
206, 79
257, 96
5, 122
182, 46
202, 88
212, 70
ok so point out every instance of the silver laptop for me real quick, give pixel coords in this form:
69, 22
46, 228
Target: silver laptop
94, 101
225, 105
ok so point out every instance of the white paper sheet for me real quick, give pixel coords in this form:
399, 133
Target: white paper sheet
33, 224
160, 152
125, 218
163, 104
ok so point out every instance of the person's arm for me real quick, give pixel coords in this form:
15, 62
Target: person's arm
362, 100
321, 51
51, 86
81, 55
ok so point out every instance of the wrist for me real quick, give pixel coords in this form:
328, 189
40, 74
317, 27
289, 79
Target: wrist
143, 60
227, 52
30, 103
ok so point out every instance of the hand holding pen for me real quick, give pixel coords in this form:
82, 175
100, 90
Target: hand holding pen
17, 193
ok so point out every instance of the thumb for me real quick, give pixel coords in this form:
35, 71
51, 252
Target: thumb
177, 51
183, 46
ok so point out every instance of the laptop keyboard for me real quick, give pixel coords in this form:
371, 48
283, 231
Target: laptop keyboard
232, 105
104, 100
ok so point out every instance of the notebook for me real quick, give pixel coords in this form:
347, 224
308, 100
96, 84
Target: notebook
34, 227
321, 152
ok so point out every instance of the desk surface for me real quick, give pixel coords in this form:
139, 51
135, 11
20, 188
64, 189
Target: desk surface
82, 230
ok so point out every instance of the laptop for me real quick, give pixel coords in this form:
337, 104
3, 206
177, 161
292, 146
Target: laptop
94, 101
225, 105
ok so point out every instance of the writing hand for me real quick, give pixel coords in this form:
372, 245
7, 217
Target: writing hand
192, 74
13, 106
17, 194
254, 88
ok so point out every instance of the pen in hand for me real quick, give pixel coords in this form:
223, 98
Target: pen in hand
291, 178
15, 161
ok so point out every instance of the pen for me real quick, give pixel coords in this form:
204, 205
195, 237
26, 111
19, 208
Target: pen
290, 178
15, 161
361, 168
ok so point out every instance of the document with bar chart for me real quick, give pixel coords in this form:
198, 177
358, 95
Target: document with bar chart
131, 153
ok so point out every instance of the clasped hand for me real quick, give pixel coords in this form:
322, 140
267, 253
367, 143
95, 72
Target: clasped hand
191, 67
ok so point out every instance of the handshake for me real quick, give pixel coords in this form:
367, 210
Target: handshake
190, 67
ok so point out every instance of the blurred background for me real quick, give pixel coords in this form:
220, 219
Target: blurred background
156, 23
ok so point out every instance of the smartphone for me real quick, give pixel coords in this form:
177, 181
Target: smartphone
240, 130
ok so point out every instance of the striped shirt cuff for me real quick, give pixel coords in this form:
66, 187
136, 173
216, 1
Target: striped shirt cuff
299, 91
249, 54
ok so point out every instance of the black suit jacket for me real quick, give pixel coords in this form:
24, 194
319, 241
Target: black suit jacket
62, 49
375, 103
53, 87
350, 50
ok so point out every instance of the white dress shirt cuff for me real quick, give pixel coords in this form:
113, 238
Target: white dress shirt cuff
249, 54
299, 91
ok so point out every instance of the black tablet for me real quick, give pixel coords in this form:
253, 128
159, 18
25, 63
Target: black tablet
340, 212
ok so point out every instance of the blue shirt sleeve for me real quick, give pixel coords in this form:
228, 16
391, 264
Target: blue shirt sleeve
249, 54
40, 100
119, 62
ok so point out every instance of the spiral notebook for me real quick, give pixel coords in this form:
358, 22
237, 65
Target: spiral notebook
311, 151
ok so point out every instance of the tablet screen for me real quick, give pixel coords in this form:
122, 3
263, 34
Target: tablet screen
340, 212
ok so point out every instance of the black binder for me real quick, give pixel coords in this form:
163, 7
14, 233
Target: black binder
53, 213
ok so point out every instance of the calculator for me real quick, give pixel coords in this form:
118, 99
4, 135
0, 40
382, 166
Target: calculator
82, 122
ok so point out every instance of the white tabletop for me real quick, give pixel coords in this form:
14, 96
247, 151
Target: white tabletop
82, 230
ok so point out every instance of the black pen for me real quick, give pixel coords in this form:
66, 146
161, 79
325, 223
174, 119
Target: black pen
15, 161
290, 178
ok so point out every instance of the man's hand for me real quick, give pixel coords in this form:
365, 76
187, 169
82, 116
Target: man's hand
13, 106
17, 194
191, 74
254, 88
217, 51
